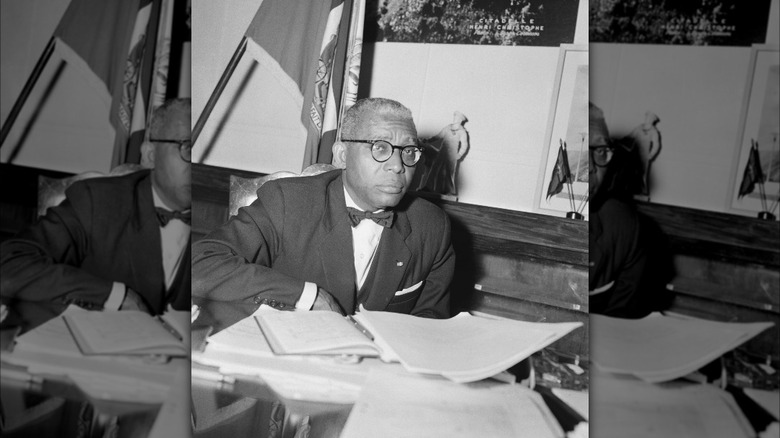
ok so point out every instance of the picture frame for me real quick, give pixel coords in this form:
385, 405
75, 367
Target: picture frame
758, 122
567, 121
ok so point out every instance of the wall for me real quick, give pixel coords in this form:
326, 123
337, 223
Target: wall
505, 92
698, 94
71, 133
253, 126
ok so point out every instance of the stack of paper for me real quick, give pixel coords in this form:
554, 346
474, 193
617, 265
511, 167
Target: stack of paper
51, 349
464, 348
660, 348
242, 349
624, 406
396, 403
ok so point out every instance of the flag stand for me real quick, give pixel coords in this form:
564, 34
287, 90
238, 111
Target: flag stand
28, 86
767, 216
223, 80
575, 215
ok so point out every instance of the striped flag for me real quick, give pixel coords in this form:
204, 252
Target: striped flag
753, 173
107, 39
312, 47
561, 173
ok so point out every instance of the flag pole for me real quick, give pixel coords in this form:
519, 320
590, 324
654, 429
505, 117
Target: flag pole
26, 90
223, 80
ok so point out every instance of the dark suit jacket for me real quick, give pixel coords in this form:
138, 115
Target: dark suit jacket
298, 230
617, 254
105, 231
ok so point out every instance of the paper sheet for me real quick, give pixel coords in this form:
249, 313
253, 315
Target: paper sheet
399, 404
242, 337
578, 400
464, 348
661, 348
624, 406
769, 400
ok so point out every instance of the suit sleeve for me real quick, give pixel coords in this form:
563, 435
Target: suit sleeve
434, 302
42, 263
234, 262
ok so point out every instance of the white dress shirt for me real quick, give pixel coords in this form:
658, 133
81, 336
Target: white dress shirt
365, 241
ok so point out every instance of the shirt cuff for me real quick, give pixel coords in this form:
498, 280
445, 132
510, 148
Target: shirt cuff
116, 297
307, 297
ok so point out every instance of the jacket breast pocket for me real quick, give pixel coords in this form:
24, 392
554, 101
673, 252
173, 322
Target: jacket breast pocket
404, 300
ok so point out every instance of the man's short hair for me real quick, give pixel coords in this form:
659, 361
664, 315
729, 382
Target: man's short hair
364, 110
171, 120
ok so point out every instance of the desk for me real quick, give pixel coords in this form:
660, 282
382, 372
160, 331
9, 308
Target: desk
53, 405
230, 407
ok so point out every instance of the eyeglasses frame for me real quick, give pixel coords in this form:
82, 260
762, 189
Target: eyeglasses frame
181, 144
394, 147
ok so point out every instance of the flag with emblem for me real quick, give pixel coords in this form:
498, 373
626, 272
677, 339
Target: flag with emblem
561, 173
109, 40
753, 173
314, 50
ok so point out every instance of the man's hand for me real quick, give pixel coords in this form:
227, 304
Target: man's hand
325, 301
133, 301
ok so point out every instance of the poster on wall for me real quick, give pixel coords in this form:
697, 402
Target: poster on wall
497, 22
563, 183
684, 22
755, 180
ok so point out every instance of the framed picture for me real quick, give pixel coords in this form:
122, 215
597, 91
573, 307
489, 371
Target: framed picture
759, 129
567, 124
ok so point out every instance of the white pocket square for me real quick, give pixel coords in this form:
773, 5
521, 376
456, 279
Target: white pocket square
411, 288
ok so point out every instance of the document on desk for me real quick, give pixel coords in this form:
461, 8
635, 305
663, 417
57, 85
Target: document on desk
50, 349
625, 406
243, 337
463, 348
394, 404
127, 332
315, 332
660, 348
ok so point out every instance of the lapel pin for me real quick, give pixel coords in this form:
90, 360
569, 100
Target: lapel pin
399, 263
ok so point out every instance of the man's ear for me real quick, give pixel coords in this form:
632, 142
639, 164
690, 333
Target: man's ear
339, 155
147, 155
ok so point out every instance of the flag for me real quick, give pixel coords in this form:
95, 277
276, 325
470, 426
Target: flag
753, 173
305, 44
107, 40
561, 174
147, 74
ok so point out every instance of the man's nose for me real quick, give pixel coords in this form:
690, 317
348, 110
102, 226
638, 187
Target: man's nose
395, 163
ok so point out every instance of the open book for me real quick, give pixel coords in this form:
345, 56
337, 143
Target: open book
130, 332
464, 348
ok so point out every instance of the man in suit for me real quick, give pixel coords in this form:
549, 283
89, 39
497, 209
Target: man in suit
306, 243
115, 242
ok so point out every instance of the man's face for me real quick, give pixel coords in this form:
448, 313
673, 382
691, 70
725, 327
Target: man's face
375, 185
597, 170
171, 175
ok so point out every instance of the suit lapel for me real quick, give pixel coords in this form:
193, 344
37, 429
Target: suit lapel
391, 264
179, 293
144, 249
335, 251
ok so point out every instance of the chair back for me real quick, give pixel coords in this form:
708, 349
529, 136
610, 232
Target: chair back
243, 191
51, 191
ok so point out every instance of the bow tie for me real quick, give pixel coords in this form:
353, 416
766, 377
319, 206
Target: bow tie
164, 216
383, 218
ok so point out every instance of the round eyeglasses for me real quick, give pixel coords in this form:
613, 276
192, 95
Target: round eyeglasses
382, 150
601, 155
185, 148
